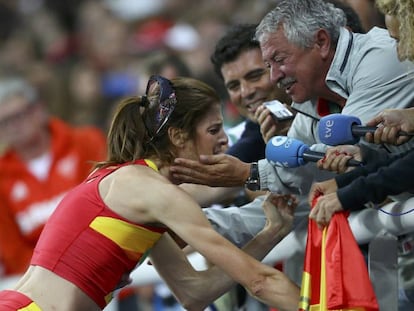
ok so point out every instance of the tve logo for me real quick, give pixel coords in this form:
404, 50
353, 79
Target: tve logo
329, 124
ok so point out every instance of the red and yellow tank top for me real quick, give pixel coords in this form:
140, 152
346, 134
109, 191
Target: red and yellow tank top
91, 246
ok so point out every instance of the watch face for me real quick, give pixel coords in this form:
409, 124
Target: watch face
252, 185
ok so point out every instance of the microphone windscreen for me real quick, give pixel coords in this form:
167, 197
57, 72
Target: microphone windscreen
285, 151
336, 129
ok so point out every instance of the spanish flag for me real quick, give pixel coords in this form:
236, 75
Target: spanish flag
335, 275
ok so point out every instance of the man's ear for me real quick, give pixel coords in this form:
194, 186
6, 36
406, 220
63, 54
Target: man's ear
177, 136
323, 41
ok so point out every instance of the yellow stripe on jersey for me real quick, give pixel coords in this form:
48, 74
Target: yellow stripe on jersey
151, 164
133, 239
32, 307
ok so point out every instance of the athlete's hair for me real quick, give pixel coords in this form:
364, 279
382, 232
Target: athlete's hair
139, 128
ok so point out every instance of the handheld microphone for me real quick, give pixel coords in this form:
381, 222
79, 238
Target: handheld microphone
338, 129
288, 152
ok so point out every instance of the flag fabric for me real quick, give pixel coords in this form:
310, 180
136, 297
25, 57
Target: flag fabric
335, 275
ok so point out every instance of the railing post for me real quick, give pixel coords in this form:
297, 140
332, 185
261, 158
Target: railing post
383, 270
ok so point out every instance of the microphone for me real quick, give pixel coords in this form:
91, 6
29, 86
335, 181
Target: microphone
288, 152
338, 129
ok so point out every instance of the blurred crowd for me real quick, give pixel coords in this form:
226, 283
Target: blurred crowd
85, 54
82, 56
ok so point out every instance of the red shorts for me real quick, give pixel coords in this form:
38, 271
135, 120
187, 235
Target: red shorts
14, 301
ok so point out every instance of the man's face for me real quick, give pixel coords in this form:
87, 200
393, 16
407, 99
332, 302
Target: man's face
248, 82
300, 72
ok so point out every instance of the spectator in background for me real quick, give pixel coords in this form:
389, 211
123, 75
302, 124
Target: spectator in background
237, 60
399, 18
368, 13
43, 158
166, 63
88, 104
353, 20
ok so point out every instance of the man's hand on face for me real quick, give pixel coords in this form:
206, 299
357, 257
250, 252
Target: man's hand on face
220, 170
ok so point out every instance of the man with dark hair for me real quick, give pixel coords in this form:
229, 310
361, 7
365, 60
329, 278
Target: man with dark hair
237, 60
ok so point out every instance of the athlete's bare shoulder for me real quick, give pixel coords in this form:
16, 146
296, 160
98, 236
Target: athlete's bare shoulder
134, 191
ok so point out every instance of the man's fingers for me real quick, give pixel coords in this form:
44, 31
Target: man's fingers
375, 121
188, 175
313, 213
181, 170
188, 179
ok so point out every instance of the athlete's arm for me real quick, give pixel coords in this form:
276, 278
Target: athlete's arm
189, 285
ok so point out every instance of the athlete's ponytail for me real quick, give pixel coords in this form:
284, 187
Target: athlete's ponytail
127, 132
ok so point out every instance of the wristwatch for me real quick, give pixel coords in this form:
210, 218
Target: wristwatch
253, 182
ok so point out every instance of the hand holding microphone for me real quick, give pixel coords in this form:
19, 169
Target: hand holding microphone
395, 126
290, 152
337, 129
337, 157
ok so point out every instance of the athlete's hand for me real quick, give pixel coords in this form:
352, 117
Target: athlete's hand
279, 209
